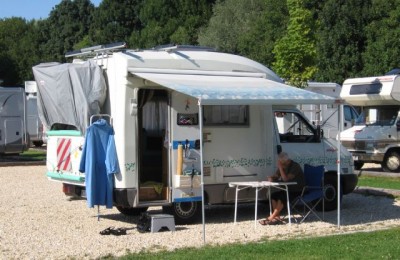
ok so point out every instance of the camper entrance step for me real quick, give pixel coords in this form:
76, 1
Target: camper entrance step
159, 221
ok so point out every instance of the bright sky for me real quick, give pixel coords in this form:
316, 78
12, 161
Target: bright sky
30, 9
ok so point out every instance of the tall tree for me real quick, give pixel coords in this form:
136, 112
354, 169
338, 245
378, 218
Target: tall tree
296, 52
382, 34
67, 25
263, 32
231, 20
8, 70
17, 50
114, 21
341, 39
166, 22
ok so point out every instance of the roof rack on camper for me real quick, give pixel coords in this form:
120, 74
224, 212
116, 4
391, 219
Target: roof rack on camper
98, 49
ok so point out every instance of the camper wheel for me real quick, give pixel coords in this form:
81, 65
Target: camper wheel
391, 163
131, 211
184, 212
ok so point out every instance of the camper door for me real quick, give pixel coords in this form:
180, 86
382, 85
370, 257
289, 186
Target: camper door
153, 118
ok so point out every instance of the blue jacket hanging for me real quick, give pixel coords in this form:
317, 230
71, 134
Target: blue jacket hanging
99, 162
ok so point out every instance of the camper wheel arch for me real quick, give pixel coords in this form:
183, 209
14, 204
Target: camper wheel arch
330, 191
131, 211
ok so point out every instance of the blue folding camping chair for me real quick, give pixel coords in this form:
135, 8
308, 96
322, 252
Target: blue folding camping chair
312, 194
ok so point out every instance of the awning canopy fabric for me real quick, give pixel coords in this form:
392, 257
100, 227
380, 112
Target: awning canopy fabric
231, 90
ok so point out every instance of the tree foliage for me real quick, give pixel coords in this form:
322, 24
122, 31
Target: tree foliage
341, 39
114, 21
296, 52
382, 38
165, 22
17, 53
66, 26
231, 20
264, 30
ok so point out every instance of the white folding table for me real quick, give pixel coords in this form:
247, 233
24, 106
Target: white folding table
259, 185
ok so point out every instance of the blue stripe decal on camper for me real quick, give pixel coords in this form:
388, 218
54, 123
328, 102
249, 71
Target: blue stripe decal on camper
188, 199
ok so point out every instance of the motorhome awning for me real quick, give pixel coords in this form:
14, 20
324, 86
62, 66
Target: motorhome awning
231, 90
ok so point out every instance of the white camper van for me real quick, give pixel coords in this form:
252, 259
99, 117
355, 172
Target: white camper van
178, 113
375, 136
13, 133
34, 125
326, 115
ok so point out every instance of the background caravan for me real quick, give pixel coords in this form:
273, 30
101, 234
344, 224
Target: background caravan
14, 138
34, 125
375, 136
155, 98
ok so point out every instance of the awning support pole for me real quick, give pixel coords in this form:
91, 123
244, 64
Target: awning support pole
338, 162
201, 168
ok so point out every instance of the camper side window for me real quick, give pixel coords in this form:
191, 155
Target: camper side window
226, 115
293, 128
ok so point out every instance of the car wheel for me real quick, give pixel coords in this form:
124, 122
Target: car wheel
391, 162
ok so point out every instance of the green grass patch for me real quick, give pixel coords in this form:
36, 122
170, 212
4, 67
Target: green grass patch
33, 155
379, 182
364, 245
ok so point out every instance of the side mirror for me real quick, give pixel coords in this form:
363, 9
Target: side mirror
279, 148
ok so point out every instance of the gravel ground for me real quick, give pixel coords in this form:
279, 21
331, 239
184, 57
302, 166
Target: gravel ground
38, 222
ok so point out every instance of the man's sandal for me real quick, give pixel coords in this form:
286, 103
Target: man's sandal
263, 222
113, 231
275, 221
118, 231
106, 231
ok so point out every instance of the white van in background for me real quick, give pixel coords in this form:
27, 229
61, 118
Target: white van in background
34, 125
326, 115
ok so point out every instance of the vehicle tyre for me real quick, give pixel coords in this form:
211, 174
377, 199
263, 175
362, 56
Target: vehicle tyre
391, 163
131, 211
358, 165
37, 143
330, 193
184, 212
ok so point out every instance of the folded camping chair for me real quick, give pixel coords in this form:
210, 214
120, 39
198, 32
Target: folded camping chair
313, 193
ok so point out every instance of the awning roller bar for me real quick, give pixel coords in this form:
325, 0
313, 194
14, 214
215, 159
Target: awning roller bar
198, 72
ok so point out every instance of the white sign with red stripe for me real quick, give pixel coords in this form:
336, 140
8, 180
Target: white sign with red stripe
64, 154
